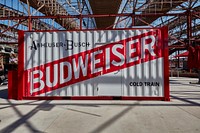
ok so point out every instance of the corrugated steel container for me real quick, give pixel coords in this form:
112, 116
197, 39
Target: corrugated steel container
124, 63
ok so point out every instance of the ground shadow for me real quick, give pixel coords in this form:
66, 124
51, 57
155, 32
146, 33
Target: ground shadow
48, 105
4, 93
23, 119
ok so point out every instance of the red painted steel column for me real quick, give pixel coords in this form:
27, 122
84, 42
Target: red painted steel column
21, 77
189, 27
166, 66
80, 22
29, 23
133, 19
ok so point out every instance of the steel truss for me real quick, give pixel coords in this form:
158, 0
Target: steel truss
179, 15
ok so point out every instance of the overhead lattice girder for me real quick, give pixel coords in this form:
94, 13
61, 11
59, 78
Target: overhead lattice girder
105, 7
155, 6
37, 24
181, 20
52, 7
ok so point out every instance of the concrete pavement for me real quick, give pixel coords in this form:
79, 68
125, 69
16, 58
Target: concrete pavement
180, 115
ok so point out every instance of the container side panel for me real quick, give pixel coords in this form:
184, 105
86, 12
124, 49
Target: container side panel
126, 63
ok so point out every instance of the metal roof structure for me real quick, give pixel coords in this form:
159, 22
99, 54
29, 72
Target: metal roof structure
51, 7
181, 16
104, 7
156, 7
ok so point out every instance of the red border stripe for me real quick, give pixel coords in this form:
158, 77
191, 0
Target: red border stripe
20, 65
166, 63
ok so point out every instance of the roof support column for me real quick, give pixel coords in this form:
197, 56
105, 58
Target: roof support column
29, 23
189, 27
80, 22
29, 16
134, 9
133, 19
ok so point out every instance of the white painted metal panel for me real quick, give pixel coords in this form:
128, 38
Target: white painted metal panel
136, 79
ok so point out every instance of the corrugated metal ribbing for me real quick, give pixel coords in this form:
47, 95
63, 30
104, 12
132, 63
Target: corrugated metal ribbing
94, 63
141, 76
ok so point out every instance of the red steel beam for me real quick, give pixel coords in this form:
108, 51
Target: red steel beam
93, 15
176, 46
189, 27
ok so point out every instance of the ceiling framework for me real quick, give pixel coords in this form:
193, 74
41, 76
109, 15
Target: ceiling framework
183, 29
9, 29
52, 7
36, 24
155, 7
79, 8
104, 7
9, 35
181, 16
